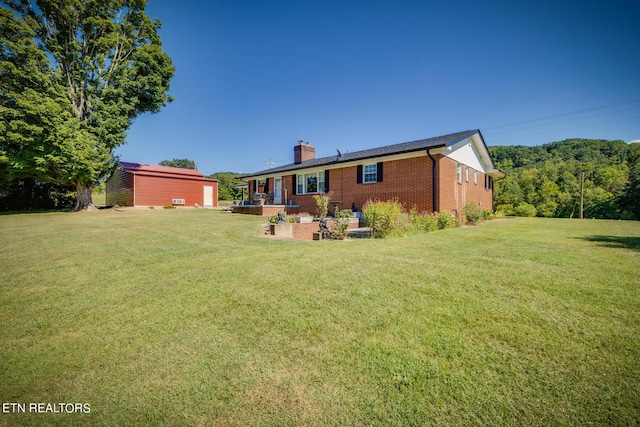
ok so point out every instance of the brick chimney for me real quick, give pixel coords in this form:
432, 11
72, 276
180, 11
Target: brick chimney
303, 151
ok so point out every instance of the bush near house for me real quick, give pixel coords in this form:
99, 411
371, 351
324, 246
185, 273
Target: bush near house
390, 219
383, 217
473, 214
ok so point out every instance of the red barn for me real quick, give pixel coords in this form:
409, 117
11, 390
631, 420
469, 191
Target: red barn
135, 184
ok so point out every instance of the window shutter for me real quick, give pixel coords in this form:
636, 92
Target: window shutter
379, 170
326, 181
359, 175
294, 181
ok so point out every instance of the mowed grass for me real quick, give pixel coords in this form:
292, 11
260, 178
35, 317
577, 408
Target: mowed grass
190, 317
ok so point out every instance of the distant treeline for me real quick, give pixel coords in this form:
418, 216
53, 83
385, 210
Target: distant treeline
546, 180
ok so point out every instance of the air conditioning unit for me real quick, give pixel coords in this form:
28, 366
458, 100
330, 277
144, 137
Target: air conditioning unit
177, 201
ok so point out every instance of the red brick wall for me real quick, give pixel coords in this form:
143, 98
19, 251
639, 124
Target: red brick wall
453, 195
409, 180
159, 191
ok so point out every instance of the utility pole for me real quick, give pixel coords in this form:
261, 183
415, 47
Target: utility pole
581, 195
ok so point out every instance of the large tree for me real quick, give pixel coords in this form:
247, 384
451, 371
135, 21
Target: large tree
75, 75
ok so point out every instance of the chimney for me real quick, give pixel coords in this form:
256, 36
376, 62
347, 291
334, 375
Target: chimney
303, 151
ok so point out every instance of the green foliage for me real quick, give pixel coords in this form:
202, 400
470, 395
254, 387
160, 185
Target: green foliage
169, 207
341, 225
27, 194
423, 222
473, 213
384, 218
226, 181
75, 74
322, 204
446, 220
179, 163
525, 209
548, 178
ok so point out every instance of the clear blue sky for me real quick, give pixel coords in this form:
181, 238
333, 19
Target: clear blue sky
254, 77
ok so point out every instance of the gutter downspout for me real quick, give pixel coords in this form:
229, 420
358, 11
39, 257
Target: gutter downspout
434, 178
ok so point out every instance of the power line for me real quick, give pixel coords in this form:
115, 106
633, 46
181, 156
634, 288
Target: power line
563, 114
563, 121
570, 128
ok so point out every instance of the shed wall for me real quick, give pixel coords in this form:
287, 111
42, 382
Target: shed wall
160, 191
120, 189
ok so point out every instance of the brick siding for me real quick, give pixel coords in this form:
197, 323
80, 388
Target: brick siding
408, 180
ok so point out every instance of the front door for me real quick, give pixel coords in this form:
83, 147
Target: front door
207, 199
277, 191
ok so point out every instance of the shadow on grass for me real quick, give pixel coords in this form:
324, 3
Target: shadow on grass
632, 243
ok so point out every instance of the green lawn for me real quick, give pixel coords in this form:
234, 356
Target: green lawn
189, 317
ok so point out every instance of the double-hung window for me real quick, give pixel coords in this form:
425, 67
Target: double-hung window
370, 173
459, 172
310, 183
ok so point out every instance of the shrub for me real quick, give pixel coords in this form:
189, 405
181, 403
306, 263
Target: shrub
506, 209
383, 217
322, 204
472, 213
525, 209
341, 226
445, 220
424, 221
169, 207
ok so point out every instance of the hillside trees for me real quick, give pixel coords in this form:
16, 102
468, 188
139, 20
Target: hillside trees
226, 181
179, 163
548, 178
74, 76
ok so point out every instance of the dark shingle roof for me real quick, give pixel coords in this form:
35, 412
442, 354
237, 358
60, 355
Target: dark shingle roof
405, 147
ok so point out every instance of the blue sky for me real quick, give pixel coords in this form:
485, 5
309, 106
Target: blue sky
254, 77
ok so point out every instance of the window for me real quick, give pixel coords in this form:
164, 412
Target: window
370, 173
261, 185
475, 177
310, 183
466, 172
459, 172
487, 182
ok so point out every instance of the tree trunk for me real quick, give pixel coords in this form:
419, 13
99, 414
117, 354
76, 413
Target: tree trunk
84, 202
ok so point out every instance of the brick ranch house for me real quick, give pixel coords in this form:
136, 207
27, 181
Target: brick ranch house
433, 175
135, 184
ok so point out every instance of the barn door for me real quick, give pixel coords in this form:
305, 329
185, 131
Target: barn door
207, 199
